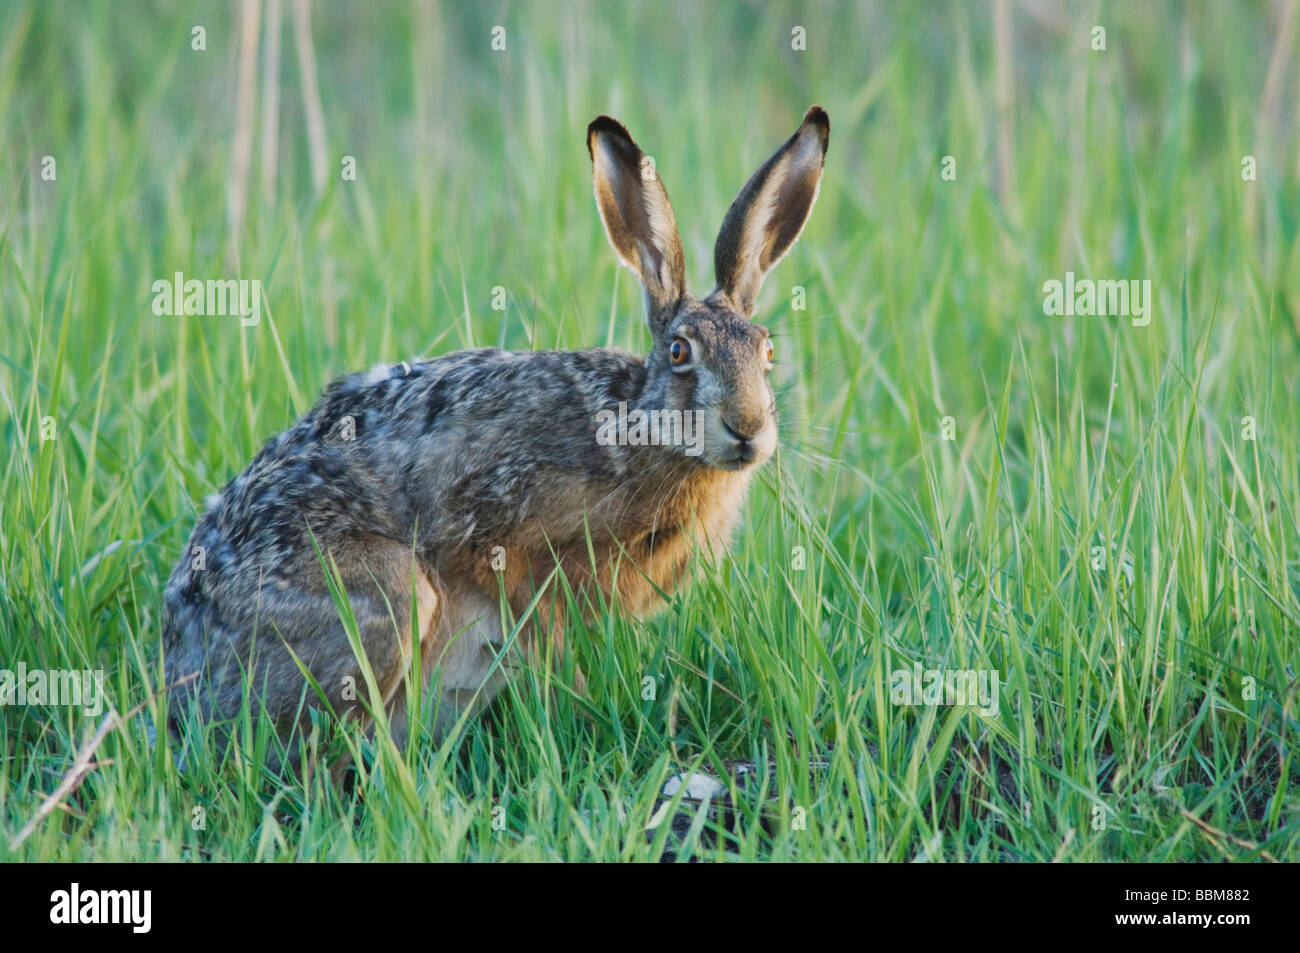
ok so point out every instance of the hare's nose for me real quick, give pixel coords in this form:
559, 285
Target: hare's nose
743, 428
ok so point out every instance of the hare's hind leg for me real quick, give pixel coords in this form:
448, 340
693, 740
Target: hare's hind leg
427, 603
299, 622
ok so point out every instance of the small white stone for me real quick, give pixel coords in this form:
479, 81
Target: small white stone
700, 787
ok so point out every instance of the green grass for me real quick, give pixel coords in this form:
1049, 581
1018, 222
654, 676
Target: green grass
1098, 532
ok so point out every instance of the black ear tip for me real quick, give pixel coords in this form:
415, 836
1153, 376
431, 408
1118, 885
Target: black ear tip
817, 117
607, 126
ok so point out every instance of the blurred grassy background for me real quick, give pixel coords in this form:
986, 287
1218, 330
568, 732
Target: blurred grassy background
1074, 435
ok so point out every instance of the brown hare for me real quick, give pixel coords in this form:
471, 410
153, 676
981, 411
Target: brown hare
449, 490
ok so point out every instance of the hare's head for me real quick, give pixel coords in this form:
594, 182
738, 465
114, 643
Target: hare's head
708, 357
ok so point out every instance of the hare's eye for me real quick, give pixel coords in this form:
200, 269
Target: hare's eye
679, 352
771, 352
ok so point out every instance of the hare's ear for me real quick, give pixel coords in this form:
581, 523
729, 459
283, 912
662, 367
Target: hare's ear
638, 217
770, 211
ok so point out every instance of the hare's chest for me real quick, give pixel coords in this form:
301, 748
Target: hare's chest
630, 547
655, 552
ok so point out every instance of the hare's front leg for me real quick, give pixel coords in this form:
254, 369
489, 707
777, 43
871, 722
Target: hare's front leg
459, 655
467, 659
543, 638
